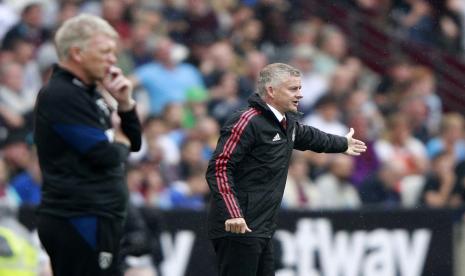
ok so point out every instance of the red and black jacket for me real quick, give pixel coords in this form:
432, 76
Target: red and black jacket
248, 170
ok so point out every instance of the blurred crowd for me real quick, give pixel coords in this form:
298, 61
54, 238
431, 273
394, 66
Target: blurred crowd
194, 62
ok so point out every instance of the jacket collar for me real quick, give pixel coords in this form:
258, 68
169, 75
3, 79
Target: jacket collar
257, 102
60, 71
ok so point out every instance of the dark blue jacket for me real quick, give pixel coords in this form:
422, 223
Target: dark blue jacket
83, 170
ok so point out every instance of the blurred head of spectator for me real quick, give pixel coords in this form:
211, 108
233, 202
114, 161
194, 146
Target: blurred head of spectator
173, 116
253, 64
327, 116
200, 17
154, 186
248, 37
422, 81
200, 47
28, 28
207, 131
195, 107
400, 147
158, 148
450, 138
304, 33
239, 15
67, 10
382, 187
314, 84
197, 183
273, 15
225, 97
417, 114
333, 45
450, 33
221, 58
398, 129
113, 11
164, 49
342, 82
17, 152
302, 58
23, 50
137, 45
191, 157
341, 167
11, 76
360, 102
46, 57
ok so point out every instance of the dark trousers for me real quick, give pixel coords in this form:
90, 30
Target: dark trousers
72, 254
244, 256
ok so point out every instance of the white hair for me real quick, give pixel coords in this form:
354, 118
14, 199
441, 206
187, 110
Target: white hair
78, 30
273, 75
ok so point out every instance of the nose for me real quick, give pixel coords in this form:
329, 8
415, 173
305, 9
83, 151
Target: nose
112, 58
299, 94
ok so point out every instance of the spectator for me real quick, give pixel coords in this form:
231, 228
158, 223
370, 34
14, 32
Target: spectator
226, 99
400, 147
200, 17
13, 97
334, 187
165, 78
398, 75
300, 192
314, 84
450, 138
367, 163
195, 107
416, 22
382, 187
190, 193
333, 45
207, 131
440, 189
326, 116
29, 28
451, 28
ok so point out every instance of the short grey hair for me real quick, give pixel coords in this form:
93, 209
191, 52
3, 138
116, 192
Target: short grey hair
273, 75
78, 30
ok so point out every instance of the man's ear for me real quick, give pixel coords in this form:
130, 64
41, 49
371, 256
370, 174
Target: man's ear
270, 92
75, 54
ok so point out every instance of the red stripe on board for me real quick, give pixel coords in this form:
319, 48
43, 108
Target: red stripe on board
223, 158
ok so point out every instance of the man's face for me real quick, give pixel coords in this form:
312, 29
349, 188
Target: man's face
286, 96
98, 56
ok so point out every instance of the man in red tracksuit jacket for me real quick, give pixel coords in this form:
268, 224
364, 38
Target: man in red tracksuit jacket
247, 173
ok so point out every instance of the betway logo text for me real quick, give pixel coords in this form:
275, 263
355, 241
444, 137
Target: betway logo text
314, 250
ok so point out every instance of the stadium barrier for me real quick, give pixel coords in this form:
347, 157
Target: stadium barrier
365, 242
